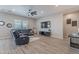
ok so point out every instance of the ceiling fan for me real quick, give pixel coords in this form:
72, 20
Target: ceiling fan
31, 12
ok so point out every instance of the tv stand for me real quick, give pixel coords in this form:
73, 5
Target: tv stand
45, 33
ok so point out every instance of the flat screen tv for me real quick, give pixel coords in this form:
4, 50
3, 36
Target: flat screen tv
45, 24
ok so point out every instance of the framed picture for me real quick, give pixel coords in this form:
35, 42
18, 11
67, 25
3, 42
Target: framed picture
68, 21
74, 23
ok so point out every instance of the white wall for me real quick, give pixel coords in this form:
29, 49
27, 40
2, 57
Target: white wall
56, 25
68, 28
8, 18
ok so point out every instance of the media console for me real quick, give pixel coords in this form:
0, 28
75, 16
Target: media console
45, 33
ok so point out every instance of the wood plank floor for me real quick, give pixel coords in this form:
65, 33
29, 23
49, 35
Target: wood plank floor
44, 45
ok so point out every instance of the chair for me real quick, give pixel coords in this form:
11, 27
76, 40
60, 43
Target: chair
20, 40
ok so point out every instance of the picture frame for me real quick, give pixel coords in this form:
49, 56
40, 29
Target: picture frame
74, 23
68, 21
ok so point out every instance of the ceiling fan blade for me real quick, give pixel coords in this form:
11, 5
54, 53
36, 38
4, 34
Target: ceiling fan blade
34, 13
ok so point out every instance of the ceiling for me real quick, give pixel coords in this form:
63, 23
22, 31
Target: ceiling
42, 10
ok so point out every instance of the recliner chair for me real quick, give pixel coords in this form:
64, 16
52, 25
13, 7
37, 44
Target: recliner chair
20, 40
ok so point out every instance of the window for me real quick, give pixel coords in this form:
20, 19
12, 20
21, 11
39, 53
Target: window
20, 24
25, 24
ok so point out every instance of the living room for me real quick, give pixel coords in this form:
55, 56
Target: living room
44, 28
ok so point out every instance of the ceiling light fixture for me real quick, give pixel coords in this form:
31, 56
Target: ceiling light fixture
31, 12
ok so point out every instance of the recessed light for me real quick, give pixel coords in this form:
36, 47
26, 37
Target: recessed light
24, 11
56, 5
42, 12
13, 10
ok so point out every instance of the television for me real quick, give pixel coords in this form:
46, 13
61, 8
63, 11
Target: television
45, 24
